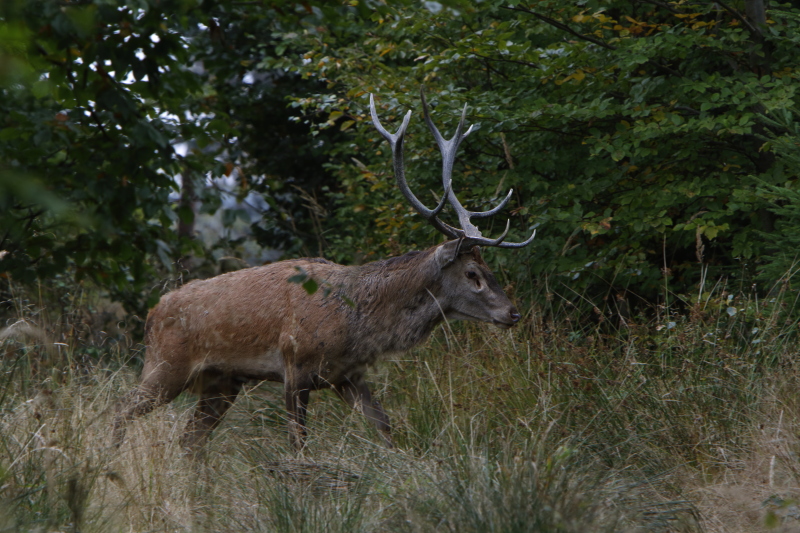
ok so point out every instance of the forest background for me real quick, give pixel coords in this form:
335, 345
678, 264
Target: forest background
654, 146
641, 139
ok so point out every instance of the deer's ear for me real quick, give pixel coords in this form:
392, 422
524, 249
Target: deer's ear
445, 254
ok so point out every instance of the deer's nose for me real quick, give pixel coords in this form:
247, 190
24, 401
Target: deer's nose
515, 316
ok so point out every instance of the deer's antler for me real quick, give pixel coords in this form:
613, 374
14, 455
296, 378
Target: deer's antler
470, 234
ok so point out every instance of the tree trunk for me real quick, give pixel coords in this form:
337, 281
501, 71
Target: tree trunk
186, 224
756, 12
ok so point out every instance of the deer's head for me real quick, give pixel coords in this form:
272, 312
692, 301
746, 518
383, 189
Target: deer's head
469, 289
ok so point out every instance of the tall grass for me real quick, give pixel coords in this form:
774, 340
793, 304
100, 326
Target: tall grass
680, 423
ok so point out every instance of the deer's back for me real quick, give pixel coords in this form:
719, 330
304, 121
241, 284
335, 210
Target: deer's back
253, 322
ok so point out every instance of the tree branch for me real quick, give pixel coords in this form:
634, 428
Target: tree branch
661, 5
517, 61
739, 17
562, 26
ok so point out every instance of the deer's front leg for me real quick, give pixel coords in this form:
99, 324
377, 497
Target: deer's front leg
356, 393
296, 402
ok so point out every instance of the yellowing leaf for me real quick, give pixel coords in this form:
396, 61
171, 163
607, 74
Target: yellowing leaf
604, 19
710, 231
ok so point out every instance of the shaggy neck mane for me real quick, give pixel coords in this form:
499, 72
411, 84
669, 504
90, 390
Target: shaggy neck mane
394, 281
393, 300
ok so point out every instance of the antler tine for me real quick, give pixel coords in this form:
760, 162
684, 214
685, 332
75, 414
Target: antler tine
483, 241
396, 142
448, 148
519, 244
377, 123
443, 201
495, 210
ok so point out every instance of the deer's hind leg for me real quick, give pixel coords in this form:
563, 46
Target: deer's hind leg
217, 394
297, 395
355, 392
158, 386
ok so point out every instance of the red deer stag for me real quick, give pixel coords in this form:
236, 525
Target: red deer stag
214, 335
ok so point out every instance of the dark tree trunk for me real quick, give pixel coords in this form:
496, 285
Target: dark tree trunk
756, 12
760, 63
186, 220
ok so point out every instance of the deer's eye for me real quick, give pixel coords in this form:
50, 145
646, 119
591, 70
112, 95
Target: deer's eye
471, 274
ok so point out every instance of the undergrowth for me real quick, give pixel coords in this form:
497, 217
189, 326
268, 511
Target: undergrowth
681, 422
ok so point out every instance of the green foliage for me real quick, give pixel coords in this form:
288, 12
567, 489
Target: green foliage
783, 201
642, 140
632, 133
93, 99
268, 143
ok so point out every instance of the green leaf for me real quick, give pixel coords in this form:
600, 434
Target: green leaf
310, 286
41, 88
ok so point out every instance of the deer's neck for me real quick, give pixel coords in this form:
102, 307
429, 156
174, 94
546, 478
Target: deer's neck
394, 304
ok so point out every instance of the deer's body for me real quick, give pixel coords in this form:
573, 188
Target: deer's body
212, 336
257, 324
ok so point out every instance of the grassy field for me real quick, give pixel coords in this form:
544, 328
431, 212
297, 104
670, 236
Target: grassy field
677, 423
